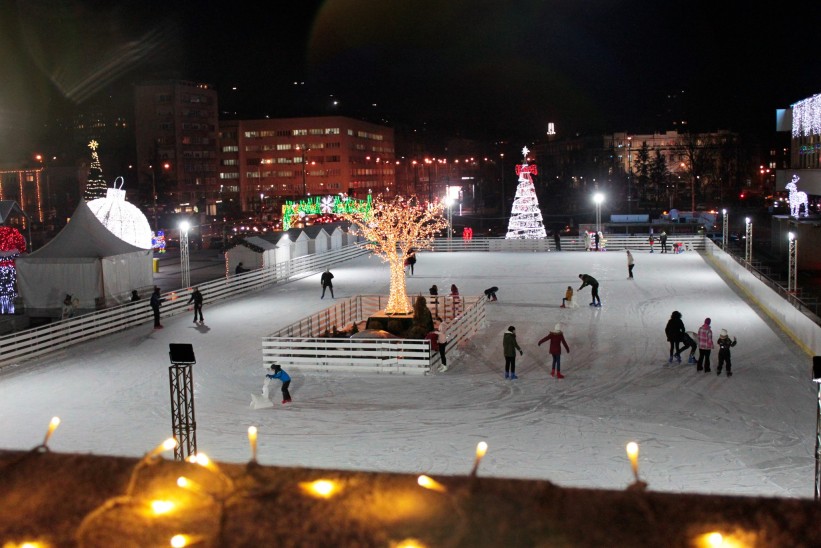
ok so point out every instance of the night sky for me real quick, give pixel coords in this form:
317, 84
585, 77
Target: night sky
485, 69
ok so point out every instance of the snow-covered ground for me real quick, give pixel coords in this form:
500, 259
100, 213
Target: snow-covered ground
752, 434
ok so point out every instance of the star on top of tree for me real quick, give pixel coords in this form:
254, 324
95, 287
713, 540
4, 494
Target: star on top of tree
93, 145
525, 150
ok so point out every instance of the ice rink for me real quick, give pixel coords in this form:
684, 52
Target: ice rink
752, 434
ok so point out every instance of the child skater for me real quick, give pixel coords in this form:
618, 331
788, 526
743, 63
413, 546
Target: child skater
724, 345
556, 338
280, 374
568, 297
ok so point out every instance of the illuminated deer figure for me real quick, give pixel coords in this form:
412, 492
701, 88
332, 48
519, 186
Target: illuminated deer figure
797, 198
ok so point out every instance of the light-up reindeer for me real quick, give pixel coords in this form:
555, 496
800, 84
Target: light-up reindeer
797, 198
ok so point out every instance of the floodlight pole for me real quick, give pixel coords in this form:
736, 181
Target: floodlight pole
724, 229
748, 244
818, 441
185, 264
792, 265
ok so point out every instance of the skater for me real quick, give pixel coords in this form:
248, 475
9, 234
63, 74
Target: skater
326, 282
557, 240
652, 240
688, 339
596, 238
156, 302
587, 279
630, 264
434, 292
457, 302
490, 293
567, 300
724, 345
196, 298
69, 306
586, 241
510, 346
240, 269
135, 296
410, 260
674, 331
663, 239
438, 343
280, 374
556, 338
705, 345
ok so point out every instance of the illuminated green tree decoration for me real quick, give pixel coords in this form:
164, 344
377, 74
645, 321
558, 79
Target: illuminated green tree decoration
336, 205
96, 186
392, 228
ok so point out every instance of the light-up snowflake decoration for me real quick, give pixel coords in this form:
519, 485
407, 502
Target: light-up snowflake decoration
327, 205
525, 216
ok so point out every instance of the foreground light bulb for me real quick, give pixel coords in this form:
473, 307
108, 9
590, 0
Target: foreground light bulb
160, 507
429, 483
320, 488
252, 440
167, 445
481, 449
633, 455
52, 426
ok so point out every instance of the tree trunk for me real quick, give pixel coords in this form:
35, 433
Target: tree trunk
398, 299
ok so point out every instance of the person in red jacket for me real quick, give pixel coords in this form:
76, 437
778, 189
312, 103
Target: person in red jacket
556, 338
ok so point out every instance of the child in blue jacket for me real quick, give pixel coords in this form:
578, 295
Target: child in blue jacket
280, 374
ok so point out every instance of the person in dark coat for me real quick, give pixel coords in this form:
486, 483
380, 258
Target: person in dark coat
557, 240
326, 283
135, 296
587, 279
556, 338
156, 302
240, 269
724, 345
509, 347
490, 293
196, 298
675, 332
596, 238
280, 374
410, 260
663, 239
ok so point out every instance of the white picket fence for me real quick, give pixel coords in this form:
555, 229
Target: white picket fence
301, 345
31, 343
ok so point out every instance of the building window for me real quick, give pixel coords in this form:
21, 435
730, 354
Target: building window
230, 148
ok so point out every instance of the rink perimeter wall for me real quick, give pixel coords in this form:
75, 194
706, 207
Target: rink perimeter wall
801, 328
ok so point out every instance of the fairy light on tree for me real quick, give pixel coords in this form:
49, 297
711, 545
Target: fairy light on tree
12, 244
391, 229
525, 215
96, 186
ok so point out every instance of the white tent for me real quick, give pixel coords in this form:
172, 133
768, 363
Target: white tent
86, 261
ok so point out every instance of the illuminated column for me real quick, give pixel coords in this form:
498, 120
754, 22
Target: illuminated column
185, 265
748, 242
792, 266
724, 229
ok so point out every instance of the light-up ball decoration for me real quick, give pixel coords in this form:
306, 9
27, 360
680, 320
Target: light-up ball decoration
12, 244
123, 219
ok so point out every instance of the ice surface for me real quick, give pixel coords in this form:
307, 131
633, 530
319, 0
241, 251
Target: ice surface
752, 434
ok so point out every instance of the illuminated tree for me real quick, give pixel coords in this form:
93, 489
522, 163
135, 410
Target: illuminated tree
391, 229
525, 216
95, 187
12, 244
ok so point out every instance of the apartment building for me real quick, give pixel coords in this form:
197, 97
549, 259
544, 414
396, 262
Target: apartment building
176, 126
262, 163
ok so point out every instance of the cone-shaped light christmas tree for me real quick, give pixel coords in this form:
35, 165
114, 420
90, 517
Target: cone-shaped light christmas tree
525, 216
95, 187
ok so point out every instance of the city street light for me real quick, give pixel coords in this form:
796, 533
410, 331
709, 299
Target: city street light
724, 229
449, 202
185, 265
598, 198
748, 243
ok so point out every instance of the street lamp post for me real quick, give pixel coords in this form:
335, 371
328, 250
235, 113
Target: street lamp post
185, 265
598, 198
629, 173
449, 203
724, 229
748, 242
